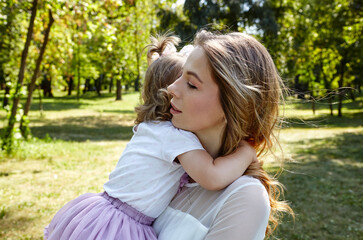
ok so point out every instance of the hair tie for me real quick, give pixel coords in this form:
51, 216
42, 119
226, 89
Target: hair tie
186, 50
168, 50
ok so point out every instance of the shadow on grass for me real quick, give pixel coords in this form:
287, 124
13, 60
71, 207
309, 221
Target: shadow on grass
16, 223
64, 102
323, 104
119, 111
348, 120
86, 128
57, 105
324, 186
82, 133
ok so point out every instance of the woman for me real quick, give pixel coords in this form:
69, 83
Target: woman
229, 91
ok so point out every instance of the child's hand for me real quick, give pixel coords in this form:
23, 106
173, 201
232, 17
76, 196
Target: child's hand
248, 149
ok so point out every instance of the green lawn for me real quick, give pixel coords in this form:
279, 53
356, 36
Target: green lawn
77, 144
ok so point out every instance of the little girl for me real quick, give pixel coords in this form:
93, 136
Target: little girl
148, 174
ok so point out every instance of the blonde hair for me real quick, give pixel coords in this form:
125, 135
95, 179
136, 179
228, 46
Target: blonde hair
162, 72
250, 92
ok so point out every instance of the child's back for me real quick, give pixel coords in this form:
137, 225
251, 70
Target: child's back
146, 176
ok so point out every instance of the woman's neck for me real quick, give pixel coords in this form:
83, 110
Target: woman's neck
211, 139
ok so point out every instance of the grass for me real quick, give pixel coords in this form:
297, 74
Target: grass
77, 144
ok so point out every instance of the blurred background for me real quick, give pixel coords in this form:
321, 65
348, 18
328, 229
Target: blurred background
71, 73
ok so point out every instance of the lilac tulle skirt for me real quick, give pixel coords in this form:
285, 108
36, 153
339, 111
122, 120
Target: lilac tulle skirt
99, 216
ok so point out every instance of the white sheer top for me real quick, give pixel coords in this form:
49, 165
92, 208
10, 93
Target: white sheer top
240, 211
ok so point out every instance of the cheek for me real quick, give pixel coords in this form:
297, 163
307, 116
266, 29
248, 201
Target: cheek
208, 109
198, 106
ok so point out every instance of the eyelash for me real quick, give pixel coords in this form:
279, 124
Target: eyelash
191, 86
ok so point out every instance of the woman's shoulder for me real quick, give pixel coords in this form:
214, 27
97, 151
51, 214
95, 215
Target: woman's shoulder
249, 189
244, 197
246, 201
243, 182
243, 185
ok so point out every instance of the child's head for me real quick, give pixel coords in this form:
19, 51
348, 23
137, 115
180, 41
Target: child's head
165, 66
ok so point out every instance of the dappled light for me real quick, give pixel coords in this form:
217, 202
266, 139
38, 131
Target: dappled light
72, 73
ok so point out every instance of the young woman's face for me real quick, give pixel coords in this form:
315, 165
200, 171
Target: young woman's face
195, 102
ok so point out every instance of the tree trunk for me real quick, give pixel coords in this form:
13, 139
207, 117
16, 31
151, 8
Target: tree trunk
9, 129
78, 69
340, 84
6, 95
351, 91
111, 85
312, 98
36, 72
99, 84
40, 102
47, 86
86, 85
119, 86
312, 103
327, 85
118, 90
2, 77
331, 104
136, 85
70, 85
298, 90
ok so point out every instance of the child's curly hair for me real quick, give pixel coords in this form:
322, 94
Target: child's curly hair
161, 72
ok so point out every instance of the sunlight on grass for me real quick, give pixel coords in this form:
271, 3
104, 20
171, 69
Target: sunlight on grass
77, 143
45, 175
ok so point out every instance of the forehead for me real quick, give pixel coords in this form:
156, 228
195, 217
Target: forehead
197, 62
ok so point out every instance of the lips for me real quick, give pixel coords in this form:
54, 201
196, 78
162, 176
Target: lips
174, 110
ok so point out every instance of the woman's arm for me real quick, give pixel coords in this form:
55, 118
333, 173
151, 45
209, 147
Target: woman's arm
219, 173
244, 216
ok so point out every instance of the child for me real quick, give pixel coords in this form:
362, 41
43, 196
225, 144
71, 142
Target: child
148, 173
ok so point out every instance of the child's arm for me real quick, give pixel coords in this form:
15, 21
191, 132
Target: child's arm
219, 173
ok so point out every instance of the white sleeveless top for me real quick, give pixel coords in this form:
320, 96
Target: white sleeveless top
240, 211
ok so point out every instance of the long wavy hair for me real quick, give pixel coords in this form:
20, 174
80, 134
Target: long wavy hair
162, 71
250, 93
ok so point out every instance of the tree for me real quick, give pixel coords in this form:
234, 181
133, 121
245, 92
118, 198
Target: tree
23, 126
12, 23
8, 136
314, 47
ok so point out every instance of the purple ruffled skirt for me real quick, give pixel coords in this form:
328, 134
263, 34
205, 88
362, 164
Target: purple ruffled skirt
99, 216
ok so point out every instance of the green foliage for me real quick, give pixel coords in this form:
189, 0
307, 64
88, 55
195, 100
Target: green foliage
316, 45
91, 45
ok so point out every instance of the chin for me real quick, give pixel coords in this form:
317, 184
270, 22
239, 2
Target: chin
177, 124
174, 122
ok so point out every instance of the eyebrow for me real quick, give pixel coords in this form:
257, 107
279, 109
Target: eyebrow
195, 75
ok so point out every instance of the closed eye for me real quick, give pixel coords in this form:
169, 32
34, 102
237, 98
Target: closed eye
190, 85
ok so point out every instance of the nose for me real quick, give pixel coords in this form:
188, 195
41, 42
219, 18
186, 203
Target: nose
172, 89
